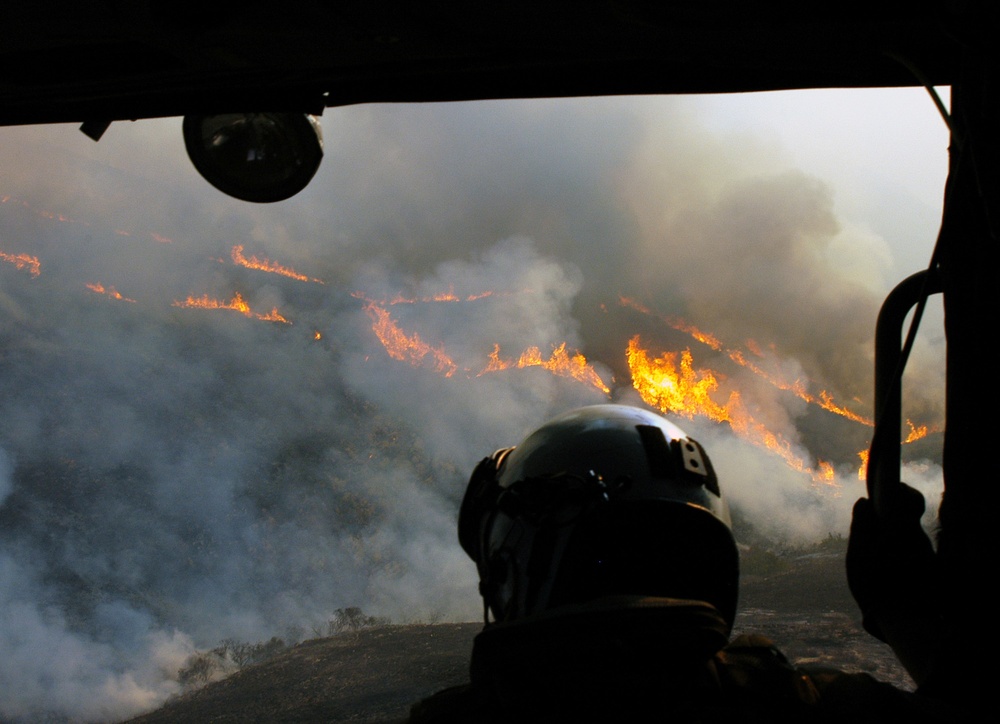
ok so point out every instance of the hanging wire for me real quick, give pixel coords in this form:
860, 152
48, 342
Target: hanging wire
884, 427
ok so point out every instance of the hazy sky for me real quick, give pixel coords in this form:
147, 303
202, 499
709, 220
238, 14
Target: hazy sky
172, 476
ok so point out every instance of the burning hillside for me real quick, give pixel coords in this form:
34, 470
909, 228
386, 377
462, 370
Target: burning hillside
669, 382
206, 435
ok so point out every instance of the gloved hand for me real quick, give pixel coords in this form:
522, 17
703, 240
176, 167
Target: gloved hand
891, 562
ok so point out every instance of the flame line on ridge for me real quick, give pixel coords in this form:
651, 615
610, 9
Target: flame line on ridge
823, 400
236, 304
413, 349
266, 265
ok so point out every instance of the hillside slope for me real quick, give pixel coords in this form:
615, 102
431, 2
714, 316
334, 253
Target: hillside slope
374, 675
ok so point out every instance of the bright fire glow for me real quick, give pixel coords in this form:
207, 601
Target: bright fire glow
797, 387
674, 322
670, 382
23, 261
673, 385
236, 304
448, 296
267, 265
108, 291
406, 347
411, 348
560, 362
917, 432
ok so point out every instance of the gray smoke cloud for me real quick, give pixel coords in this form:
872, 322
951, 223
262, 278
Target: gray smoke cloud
171, 476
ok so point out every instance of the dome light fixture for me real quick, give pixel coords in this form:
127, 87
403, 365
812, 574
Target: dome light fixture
259, 157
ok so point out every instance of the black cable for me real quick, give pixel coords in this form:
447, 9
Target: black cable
879, 433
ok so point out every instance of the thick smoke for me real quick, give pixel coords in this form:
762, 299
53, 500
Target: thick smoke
172, 476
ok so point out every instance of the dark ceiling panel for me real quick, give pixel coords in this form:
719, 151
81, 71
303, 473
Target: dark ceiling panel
125, 60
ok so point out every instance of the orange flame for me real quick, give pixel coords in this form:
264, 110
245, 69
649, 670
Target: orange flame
411, 348
826, 402
272, 316
560, 362
798, 387
236, 304
677, 387
108, 291
267, 265
825, 473
401, 346
916, 432
23, 261
448, 296
481, 295
675, 322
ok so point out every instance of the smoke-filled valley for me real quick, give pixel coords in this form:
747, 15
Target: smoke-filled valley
223, 420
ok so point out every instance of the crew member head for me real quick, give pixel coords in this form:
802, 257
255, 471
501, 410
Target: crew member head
603, 501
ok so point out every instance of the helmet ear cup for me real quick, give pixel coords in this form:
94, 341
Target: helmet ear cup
479, 502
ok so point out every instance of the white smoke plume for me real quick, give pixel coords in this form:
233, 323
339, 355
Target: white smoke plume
173, 476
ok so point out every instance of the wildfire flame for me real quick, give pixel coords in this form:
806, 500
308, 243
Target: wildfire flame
675, 322
670, 382
824, 473
798, 387
560, 362
401, 346
267, 265
23, 261
917, 432
236, 304
674, 385
108, 291
448, 296
411, 348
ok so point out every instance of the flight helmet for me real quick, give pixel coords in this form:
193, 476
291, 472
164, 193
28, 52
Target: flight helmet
606, 500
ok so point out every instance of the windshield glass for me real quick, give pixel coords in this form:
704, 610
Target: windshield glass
234, 422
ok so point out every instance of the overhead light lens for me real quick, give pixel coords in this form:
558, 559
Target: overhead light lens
261, 157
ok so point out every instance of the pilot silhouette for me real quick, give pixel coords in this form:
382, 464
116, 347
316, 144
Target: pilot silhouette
609, 576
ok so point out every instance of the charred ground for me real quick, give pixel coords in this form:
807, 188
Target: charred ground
374, 675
